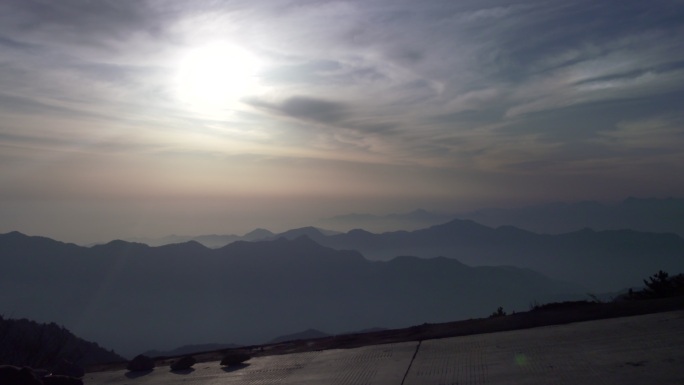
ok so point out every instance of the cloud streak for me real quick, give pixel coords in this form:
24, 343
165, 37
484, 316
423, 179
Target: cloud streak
467, 93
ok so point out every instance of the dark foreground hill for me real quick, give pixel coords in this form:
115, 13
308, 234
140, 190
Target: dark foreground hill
134, 298
28, 343
542, 315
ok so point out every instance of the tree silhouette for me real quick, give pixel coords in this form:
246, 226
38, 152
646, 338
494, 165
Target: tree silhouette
661, 285
498, 313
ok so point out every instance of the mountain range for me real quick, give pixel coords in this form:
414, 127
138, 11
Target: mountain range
209, 240
640, 214
657, 215
215, 241
133, 297
600, 261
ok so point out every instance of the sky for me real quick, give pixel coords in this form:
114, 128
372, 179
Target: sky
148, 118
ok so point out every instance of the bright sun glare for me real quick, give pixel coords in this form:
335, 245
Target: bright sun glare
216, 76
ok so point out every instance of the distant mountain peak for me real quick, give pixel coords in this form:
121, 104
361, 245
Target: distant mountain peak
19, 235
461, 224
358, 231
187, 246
308, 228
310, 231
280, 241
258, 233
641, 214
122, 243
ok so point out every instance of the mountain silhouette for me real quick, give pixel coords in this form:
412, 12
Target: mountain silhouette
655, 215
256, 235
215, 241
310, 232
640, 214
133, 297
602, 261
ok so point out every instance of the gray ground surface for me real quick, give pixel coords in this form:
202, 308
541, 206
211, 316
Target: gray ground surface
639, 350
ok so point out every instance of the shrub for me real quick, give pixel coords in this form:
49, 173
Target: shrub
234, 358
140, 363
660, 285
183, 363
498, 313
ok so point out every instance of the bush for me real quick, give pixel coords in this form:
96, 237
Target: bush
183, 363
234, 358
563, 305
660, 285
498, 313
140, 363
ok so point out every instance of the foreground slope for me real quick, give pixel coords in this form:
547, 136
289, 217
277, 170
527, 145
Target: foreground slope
631, 350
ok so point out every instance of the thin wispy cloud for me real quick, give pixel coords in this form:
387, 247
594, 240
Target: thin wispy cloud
442, 94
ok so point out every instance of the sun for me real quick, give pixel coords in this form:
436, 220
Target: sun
216, 76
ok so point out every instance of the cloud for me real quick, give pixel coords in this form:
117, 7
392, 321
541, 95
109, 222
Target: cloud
306, 108
22, 105
15, 44
76, 21
663, 134
458, 90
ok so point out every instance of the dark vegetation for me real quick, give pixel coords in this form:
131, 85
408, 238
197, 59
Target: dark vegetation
183, 363
234, 358
61, 380
47, 346
563, 305
498, 313
13, 375
140, 363
187, 350
660, 285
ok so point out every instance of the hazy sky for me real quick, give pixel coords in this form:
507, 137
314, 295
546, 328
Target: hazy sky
144, 118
